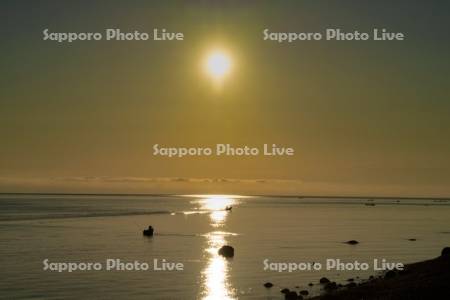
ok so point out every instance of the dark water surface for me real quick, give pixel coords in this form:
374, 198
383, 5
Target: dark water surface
189, 230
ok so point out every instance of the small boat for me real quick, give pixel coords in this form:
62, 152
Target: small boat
148, 232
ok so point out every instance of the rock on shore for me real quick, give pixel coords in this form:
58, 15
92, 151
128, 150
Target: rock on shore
423, 280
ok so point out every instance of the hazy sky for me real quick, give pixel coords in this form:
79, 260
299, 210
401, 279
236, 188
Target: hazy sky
364, 117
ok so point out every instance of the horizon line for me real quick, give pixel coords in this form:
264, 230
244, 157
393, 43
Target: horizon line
250, 195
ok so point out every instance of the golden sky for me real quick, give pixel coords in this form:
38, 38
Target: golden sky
363, 117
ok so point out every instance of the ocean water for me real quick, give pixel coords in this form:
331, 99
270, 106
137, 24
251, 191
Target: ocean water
190, 229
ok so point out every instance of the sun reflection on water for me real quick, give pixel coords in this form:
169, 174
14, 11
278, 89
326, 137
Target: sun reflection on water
217, 206
215, 276
218, 218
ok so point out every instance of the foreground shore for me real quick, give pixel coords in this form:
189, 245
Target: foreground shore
423, 280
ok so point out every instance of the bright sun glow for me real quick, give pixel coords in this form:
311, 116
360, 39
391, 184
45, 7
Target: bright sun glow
218, 64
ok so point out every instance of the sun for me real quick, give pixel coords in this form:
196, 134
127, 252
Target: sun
218, 64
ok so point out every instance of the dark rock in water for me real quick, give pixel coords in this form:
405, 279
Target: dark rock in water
148, 232
226, 251
339, 285
324, 280
310, 284
390, 274
268, 285
351, 285
291, 295
350, 279
446, 252
330, 286
304, 293
412, 240
285, 291
352, 242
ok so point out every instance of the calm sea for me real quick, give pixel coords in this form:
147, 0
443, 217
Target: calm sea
190, 229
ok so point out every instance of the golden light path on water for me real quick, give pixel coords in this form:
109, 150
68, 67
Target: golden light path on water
215, 276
